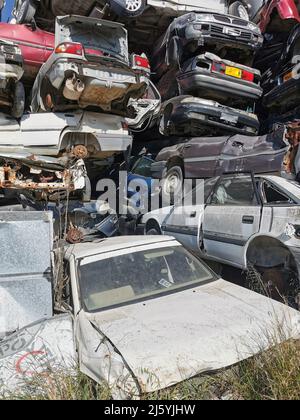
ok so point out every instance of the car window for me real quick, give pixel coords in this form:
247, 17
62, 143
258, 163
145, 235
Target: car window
275, 196
140, 275
193, 196
235, 191
143, 167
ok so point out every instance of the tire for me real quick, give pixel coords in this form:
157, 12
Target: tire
172, 183
18, 107
128, 8
238, 9
26, 12
153, 230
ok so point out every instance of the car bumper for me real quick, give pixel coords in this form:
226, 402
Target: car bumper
119, 78
221, 118
230, 87
219, 33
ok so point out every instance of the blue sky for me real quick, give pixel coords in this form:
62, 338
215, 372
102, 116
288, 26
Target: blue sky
7, 11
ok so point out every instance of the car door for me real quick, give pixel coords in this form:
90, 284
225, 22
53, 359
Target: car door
231, 218
185, 220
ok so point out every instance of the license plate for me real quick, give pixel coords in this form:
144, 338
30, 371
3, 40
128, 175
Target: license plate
229, 118
234, 72
288, 76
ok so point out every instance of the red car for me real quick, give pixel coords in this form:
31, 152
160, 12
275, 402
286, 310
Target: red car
279, 15
36, 46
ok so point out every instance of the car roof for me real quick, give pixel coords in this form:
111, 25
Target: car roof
88, 249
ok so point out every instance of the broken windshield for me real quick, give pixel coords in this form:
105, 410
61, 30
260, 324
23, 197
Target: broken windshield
137, 276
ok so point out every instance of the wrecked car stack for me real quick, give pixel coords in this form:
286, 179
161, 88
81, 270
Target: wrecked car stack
195, 58
88, 91
140, 96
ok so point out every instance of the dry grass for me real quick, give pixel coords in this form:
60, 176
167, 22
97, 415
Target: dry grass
272, 375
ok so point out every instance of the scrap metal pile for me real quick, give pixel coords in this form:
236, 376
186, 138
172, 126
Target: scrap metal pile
192, 90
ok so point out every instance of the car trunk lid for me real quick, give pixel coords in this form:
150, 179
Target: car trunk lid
98, 37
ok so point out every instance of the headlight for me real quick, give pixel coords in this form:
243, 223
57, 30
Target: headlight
253, 27
205, 18
199, 101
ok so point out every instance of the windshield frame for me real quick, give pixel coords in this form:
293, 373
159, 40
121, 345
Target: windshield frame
164, 293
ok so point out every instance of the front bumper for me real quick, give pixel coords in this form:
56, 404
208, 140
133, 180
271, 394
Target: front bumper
223, 119
220, 29
229, 87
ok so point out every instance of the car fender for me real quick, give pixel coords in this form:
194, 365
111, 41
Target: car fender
283, 241
159, 216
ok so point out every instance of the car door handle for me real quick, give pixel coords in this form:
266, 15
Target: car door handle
193, 214
187, 146
248, 220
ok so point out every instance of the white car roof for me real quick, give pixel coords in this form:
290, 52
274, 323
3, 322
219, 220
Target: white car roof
88, 249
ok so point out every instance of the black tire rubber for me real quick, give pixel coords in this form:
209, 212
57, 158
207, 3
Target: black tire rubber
235, 10
153, 232
18, 107
122, 7
26, 12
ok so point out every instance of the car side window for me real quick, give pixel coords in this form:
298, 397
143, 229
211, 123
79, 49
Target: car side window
274, 196
235, 191
143, 167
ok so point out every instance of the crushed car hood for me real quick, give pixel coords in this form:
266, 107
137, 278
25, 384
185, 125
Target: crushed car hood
173, 338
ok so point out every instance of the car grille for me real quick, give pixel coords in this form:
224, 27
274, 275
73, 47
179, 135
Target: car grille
240, 22
246, 35
219, 30
216, 29
232, 21
224, 19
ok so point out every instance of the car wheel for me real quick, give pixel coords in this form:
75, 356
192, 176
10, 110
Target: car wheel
26, 12
18, 107
238, 9
128, 8
172, 183
153, 229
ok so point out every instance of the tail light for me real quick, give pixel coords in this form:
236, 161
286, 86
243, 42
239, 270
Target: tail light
248, 76
69, 48
141, 63
125, 126
245, 75
92, 51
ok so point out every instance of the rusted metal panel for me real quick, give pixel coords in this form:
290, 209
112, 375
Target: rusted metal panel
43, 348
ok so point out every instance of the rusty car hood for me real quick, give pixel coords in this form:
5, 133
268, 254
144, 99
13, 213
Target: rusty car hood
173, 338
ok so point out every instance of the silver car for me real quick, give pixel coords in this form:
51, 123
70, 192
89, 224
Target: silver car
91, 67
243, 221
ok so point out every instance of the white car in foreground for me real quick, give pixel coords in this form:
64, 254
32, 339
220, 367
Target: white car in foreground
148, 315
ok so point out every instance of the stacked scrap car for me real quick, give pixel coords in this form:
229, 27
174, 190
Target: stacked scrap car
204, 91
